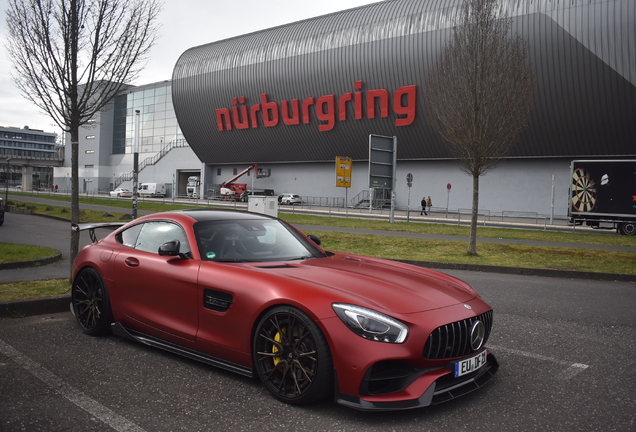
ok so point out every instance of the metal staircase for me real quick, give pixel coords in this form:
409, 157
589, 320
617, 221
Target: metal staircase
152, 160
381, 199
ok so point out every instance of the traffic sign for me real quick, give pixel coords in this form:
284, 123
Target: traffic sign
343, 171
448, 186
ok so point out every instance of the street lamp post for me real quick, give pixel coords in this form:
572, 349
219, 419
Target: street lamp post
6, 182
135, 167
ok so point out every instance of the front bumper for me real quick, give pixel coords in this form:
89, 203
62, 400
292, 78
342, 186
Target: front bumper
422, 392
383, 376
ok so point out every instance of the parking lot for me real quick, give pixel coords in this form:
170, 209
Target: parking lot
566, 349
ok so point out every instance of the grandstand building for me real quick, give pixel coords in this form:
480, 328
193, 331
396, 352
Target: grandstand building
294, 97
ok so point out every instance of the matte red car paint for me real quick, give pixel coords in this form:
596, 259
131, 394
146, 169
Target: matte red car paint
162, 296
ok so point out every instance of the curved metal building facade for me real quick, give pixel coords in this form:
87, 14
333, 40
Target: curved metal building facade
314, 89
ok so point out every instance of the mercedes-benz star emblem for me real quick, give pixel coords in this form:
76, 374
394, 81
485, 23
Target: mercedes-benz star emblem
477, 333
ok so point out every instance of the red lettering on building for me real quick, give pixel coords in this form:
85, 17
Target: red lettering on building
306, 104
404, 105
253, 111
325, 108
342, 105
270, 111
383, 96
325, 111
357, 100
221, 114
295, 118
236, 118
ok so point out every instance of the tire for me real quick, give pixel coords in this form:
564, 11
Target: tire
91, 305
303, 373
628, 228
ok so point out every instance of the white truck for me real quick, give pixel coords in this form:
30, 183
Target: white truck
192, 187
152, 190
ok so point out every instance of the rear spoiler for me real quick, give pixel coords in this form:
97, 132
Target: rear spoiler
91, 226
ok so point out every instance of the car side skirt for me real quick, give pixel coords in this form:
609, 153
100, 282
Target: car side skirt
121, 331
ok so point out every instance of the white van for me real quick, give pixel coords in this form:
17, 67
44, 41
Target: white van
152, 190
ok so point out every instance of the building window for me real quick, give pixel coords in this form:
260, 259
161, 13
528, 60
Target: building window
218, 171
235, 171
89, 166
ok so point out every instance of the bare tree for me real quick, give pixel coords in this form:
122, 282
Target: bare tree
71, 58
479, 94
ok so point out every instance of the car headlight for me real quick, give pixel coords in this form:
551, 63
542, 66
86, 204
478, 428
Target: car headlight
370, 324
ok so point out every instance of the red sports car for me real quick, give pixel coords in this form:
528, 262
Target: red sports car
251, 294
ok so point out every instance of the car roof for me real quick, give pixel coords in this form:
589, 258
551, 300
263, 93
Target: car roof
204, 215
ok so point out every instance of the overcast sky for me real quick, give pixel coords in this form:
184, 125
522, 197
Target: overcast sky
184, 24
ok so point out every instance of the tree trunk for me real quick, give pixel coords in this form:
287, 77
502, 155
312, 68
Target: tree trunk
73, 48
472, 243
75, 210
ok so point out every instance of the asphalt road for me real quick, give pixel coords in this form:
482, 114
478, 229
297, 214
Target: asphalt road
566, 349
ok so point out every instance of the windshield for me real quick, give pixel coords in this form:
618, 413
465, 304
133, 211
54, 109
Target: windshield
252, 240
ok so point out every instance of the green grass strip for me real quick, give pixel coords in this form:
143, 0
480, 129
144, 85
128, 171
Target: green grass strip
507, 255
34, 289
16, 252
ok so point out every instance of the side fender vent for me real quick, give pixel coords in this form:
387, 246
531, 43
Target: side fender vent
216, 300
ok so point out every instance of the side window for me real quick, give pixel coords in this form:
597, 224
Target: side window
151, 235
129, 237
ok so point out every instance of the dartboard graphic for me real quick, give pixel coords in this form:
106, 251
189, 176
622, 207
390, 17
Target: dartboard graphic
583, 191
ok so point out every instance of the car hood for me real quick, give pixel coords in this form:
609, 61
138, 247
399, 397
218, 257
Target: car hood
381, 284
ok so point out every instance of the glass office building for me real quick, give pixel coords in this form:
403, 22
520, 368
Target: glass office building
28, 157
157, 120
28, 143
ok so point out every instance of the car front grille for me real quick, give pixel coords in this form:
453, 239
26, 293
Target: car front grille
453, 340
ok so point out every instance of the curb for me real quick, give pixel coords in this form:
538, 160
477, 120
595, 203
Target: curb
18, 210
34, 263
22, 308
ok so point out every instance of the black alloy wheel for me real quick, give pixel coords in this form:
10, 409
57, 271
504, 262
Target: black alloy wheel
292, 357
90, 302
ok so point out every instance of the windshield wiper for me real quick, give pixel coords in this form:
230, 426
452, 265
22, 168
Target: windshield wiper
304, 257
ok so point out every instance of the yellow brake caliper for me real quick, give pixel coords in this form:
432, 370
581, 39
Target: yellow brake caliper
278, 338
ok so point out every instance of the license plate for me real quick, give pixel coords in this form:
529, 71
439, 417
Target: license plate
471, 364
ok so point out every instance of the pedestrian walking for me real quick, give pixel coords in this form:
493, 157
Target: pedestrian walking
423, 204
429, 204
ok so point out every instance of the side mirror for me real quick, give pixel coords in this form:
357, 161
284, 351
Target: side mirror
170, 248
314, 238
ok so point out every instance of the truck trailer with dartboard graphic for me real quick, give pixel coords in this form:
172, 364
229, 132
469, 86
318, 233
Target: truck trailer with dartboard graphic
603, 194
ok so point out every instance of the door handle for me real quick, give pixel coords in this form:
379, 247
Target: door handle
132, 262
